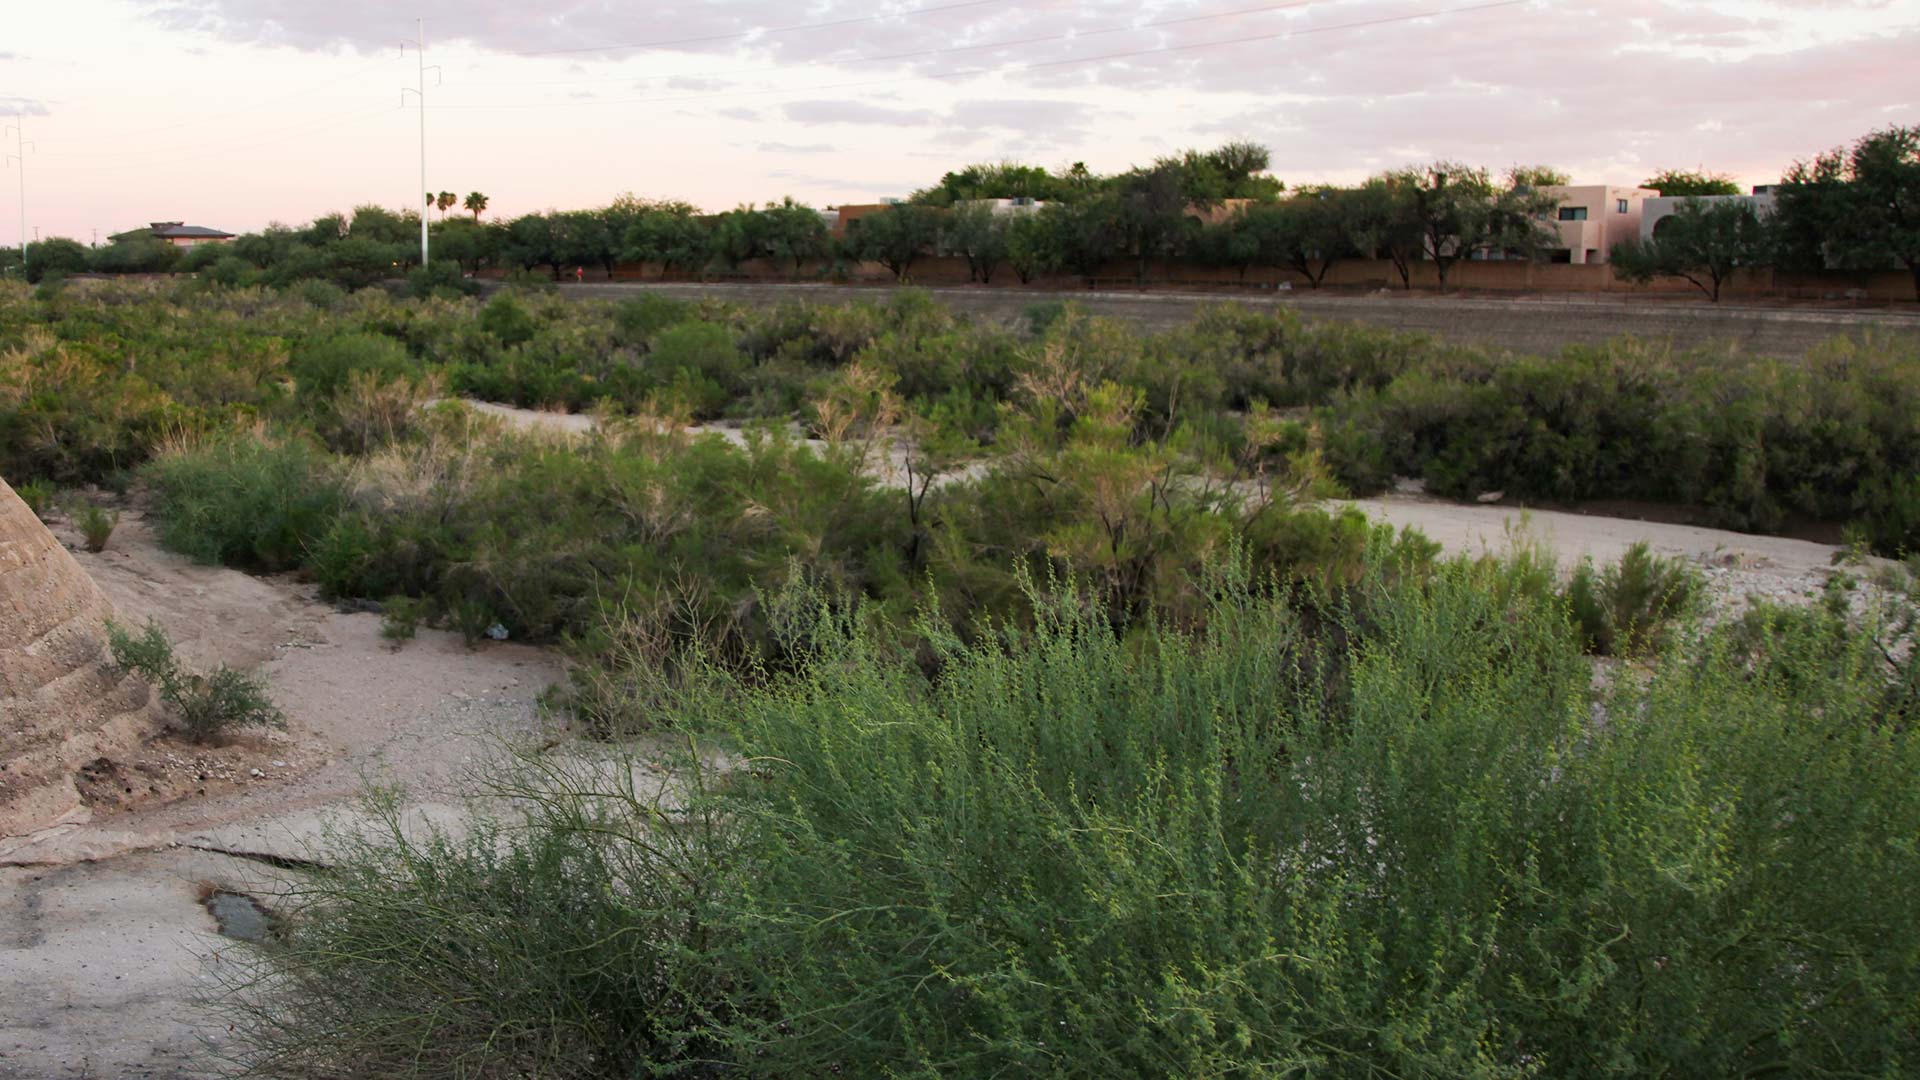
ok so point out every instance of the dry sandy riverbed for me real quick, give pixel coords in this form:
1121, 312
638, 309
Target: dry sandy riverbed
103, 936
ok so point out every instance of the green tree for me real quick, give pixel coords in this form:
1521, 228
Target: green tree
1536, 176
980, 235
670, 234
532, 241
794, 232
135, 253
1459, 210
738, 236
1029, 245
1856, 207
1680, 183
444, 202
896, 236
475, 202
1311, 231
1704, 242
55, 255
998, 180
468, 243
1381, 222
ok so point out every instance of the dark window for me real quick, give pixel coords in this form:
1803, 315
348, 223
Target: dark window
1560, 255
1620, 207
1573, 213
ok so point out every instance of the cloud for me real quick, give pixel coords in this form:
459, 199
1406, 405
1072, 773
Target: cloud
794, 148
23, 106
856, 112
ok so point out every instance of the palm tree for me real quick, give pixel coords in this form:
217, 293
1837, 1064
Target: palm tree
476, 202
444, 202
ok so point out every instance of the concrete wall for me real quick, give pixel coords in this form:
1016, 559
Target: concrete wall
1606, 225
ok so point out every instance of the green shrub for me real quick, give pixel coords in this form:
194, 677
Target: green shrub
96, 526
508, 320
1391, 840
1626, 609
206, 708
40, 497
244, 500
322, 367
400, 618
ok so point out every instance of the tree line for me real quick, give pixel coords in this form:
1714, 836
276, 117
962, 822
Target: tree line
1851, 208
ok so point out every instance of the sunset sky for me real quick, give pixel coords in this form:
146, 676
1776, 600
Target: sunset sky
234, 113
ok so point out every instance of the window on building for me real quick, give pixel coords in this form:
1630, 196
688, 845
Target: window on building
1573, 213
1560, 255
1620, 206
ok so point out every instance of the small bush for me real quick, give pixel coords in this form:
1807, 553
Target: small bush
245, 500
400, 618
1626, 609
39, 495
323, 367
206, 708
96, 526
508, 320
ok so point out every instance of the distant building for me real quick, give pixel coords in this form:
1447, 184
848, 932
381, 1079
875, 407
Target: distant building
1661, 208
1020, 204
176, 233
1591, 218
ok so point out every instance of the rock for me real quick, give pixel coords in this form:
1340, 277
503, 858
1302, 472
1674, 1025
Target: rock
1490, 496
62, 701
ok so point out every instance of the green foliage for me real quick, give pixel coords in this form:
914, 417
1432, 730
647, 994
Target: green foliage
400, 618
1856, 207
1684, 184
39, 495
1626, 609
55, 258
96, 526
440, 279
323, 366
508, 320
1703, 242
244, 500
207, 708
1384, 836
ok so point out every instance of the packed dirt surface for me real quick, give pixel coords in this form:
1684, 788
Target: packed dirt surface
103, 936
1532, 325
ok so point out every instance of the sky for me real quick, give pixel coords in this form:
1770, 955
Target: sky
237, 113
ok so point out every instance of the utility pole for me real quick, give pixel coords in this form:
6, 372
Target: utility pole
21, 144
420, 91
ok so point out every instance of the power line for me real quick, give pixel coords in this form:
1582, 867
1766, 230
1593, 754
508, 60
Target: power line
707, 39
1070, 35
1017, 68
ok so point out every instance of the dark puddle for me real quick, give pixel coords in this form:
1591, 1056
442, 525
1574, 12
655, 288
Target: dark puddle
239, 916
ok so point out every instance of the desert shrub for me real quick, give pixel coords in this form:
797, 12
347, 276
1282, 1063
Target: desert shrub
372, 410
697, 366
640, 318
1404, 849
508, 320
324, 366
442, 278
324, 295
206, 707
400, 618
1627, 608
245, 500
40, 497
96, 526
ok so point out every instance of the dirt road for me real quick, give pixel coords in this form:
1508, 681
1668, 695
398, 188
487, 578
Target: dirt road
1536, 325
